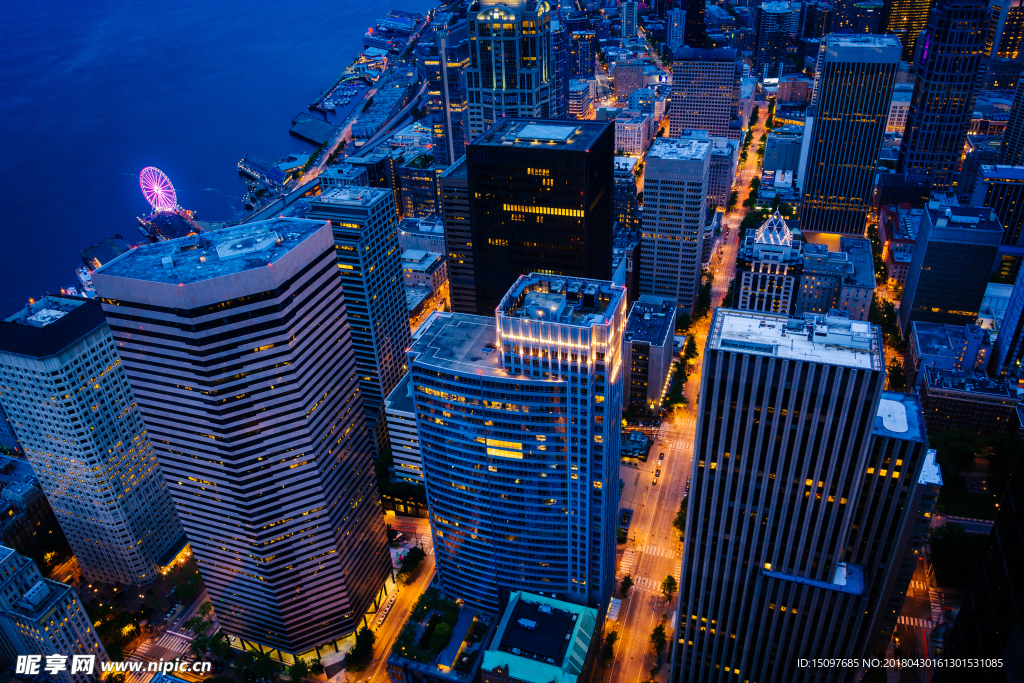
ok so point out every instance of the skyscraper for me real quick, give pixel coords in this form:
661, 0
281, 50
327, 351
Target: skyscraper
775, 23
370, 264
561, 60
1012, 150
510, 66
237, 346
529, 402
696, 31
675, 29
676, 180
954, 254
66, 394
447, 92
943, 99
458, 236
856, 75
629, 10
581, 48
1001, 188
706, 92
798, 515
42, 617
906, 19
540, 201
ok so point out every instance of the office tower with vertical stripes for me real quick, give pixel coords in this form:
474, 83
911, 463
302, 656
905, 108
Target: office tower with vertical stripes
706, 92
446, 103
540, 200
519, 417
511, 72
802, 500
370, 264
944, 92
68, 399
775, 23
1011, 150
676, 181
855, 78
237, 346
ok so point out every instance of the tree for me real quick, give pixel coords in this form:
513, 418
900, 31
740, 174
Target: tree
196, 625
1003, 453
669, 586
199, 645
753, 116
256, 666
956, 448
734, 197
206, 609
361, 654
441, 636
410, 562
683, 321
316, 667
299, 671
690, 352
608, 651
954, 553
897, 380
627, 583
220, 648
680, 521
417, 113
658, 638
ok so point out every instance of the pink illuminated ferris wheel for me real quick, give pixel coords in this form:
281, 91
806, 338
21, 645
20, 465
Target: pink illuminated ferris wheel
157, 189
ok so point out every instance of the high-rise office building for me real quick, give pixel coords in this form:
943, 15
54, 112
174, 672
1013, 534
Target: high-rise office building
540, 201
943, 99
66, 394
676, 177
675, 29
798, 513
582, 45
458, 236
629, 10
1001, 188
1008, 352
954, 253
45, 618
696, 31
906, 19
561, 60
629, 76
447, 96
775, 22
370, 264
527, 401
237, 346
706, 92
1012, 150
626, 203
856, 75
510, 66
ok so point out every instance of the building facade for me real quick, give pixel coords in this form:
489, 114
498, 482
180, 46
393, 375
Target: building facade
540, 200
633, 132
706, 92
943, 98
67, 396
237, 346
582, 46
370, 264
906, 19
405, 441
967, 399
944, 347
852, 94
1001, 188
647, 349
776, 22
458, 237
676, 177
511, 72
675, 28
519, 418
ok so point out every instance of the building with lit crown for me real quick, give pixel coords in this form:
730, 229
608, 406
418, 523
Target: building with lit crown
519, 418
68, 399
237, 346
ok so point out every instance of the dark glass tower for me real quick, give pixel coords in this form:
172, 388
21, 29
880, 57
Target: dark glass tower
562, 60
1012, 149
943, 100
852, 94
906, 19
540, 201
447, 102
696, 31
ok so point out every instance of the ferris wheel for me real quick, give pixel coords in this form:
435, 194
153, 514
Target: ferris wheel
157, 189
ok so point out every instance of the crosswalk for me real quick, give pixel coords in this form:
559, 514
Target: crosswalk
916, 621
627, 562
168, 646
656, 551
936, 604
918, 585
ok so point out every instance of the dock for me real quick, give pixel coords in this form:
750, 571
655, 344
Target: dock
312, 129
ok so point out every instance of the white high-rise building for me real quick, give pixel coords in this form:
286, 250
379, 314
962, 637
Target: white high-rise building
676, 180
629, 11
45, 618
675, 26
706, 92
405, 440
237, 345
67, 397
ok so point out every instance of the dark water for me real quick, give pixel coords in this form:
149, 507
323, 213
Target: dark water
94, 91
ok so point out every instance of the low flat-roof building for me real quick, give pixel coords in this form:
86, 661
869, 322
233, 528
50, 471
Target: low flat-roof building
426, 233
964, 399
647, 352
944, 347
633, 132
897, 231
542, 640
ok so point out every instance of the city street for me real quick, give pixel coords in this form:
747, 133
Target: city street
653, 549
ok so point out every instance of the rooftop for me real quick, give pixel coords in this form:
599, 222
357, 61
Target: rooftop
652, 319
775, 232
1002, 172
352, 196
626, 164
542, 640
849, 578
933, 339
815, 339
417, 259
428, 224
458, 341
107, 250
680, 148
559, 135
562, 300
944, 218
865, 48
691, 54
48, 326
213, 254
899, 417
966, 382
930, 471
400, 399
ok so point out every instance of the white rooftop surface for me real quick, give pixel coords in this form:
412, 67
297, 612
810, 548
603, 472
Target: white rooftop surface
680, 148
834, 341
893, 414
359, 196
930, 472
545, 133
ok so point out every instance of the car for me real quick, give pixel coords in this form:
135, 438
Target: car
661, 457
657, 472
